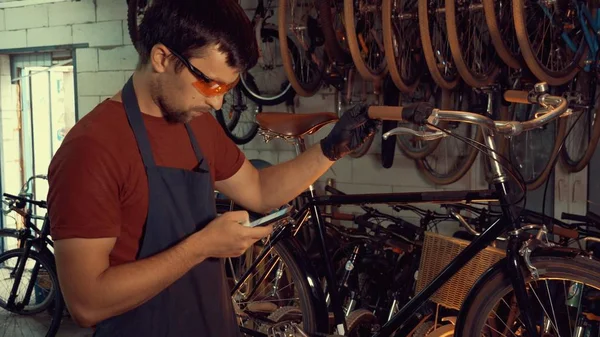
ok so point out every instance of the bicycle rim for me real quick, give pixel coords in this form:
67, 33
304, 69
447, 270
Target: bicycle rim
436, 48
453, 158
237, 116
267, 83
548, 57
365, 35
499, 19
401, 42
276, 291
582, 140
300, 22
470, 42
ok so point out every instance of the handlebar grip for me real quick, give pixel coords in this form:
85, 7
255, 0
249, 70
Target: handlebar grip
564, 232
574, 217
517, 96
389, 113
342, 216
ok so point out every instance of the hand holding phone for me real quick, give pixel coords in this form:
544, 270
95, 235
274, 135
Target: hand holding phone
271, 218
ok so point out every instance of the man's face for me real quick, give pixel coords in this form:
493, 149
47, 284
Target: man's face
180, 94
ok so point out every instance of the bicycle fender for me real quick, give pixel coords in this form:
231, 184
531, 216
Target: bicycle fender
317, 297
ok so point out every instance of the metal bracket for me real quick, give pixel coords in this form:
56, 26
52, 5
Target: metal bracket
268, 136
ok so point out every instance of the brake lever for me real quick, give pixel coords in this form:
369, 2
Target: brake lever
421, 134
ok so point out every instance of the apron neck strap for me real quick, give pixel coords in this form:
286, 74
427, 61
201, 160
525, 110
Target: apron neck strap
134, 115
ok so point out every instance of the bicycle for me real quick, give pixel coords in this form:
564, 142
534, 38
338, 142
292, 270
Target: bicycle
32, 257
519, 267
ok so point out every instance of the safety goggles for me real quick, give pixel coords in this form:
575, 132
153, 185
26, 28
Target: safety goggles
205, 85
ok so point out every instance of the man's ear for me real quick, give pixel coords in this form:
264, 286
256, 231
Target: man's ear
159, 58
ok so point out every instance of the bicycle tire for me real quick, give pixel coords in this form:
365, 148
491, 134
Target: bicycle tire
360, 322
302, 89
450, 81
333, 47
575, 163
503, 35
538, 180
477, 306
448, 178
234, 121
406, 78
460, 46
310, 324
552, 77
57, 302
367, 72
249, 86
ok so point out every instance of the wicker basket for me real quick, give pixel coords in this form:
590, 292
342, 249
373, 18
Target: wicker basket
438, 251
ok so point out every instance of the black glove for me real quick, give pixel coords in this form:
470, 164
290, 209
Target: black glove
352, 130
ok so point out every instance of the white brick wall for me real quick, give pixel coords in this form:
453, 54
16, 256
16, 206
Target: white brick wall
69, 13
26, 17
108, 33
13, 39
110, 10
2, 24
118, 58
59, 35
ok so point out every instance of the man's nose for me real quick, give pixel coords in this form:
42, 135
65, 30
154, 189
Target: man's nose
215, 102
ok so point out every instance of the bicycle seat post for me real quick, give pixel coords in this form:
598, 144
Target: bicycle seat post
300, 147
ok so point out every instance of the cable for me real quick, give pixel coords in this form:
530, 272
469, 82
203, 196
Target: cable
516, 175
553, 163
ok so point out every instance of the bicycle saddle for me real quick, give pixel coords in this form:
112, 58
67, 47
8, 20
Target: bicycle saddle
294, 125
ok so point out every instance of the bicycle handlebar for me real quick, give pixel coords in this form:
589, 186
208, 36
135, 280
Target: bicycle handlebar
421, 113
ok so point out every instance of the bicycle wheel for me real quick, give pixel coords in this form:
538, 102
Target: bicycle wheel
436, 48
562, 282
453, 158
135, 13
237, 116
276, 291
332, 22
415, 147
298, 19
470, 42
499, 19
582, 140
403, 52
554, 52
365, 35
39, 304
266, 83
533, 152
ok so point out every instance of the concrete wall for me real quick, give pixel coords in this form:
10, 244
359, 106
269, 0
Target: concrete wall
104, 67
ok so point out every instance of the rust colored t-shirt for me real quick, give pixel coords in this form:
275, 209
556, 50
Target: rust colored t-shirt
98, 184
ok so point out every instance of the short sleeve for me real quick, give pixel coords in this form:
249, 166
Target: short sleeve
83, 196
229, 157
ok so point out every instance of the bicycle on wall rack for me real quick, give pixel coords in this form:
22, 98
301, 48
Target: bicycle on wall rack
523, 288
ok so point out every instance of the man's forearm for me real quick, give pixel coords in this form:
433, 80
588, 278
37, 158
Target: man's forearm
124, 287
282, 183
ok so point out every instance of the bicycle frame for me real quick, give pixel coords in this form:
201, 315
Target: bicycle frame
509, 221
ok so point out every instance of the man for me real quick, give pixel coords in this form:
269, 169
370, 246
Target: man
137, 242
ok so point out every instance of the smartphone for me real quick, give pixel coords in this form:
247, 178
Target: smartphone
271, 218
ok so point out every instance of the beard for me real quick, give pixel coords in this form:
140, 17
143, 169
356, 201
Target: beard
170, 111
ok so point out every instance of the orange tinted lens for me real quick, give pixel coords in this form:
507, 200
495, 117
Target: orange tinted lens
213, 89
